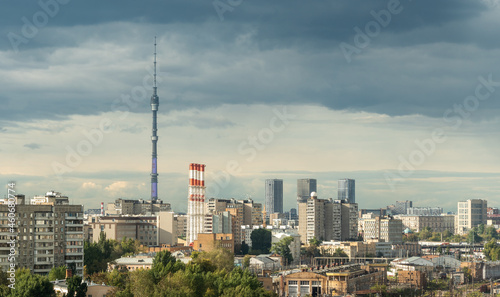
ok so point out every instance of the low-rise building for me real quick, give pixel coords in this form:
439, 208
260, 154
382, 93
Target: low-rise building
340, 280
437, 223
207, 242
132, 263
414, 278
93, 289
413, 264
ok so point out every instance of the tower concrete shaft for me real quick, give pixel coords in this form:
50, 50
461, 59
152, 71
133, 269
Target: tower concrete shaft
155, 102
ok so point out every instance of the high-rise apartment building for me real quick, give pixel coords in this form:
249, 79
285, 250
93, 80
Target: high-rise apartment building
305, 187
382, 229
49, 233
471, 213
274, 195
218, 223
244, 213
327, 219
401, 207
347, 190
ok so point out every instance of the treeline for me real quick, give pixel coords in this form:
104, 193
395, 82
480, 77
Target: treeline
28, 284
209, 274
98, 254
476, 235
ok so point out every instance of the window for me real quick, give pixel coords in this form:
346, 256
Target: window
292, 283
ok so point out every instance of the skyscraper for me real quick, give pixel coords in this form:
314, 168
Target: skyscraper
274, 196
346, 190
305, 187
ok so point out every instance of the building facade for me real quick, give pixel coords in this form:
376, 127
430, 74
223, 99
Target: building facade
424, 211
327, 219
49, 234
274, 195
347, 190
305, 187
437, 223
136, 207
470, 214
401, 207
383, 229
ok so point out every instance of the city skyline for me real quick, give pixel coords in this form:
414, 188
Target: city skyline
408, 110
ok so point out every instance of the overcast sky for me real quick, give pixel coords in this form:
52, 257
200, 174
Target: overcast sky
402, 96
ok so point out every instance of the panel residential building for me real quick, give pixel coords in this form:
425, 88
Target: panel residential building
49, 234
327, 219
470, 214
382, 229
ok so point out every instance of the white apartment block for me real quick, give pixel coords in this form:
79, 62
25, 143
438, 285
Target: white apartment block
327, 220
382, 229
471, 213
438, 223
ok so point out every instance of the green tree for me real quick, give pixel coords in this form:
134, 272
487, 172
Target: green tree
163, 264
282, 248
261, 241
142, 283
57, 273
244, 248
381, 289
75, 287
28, 284
490, 233
481, 229
492, 250
411, 237
425, 233
314, 241
4, 283
446, 235
246, 261
220, 258
117, 279
473, 236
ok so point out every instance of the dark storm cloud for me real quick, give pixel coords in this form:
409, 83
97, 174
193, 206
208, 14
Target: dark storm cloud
280, 23
425, 61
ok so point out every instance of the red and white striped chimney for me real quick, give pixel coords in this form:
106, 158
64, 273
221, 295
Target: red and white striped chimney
196, 200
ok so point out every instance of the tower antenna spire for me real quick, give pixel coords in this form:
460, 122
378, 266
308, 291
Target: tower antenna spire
155, 102
155, 69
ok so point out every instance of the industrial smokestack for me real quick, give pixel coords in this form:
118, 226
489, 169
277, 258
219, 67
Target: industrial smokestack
102, 208
196, 201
